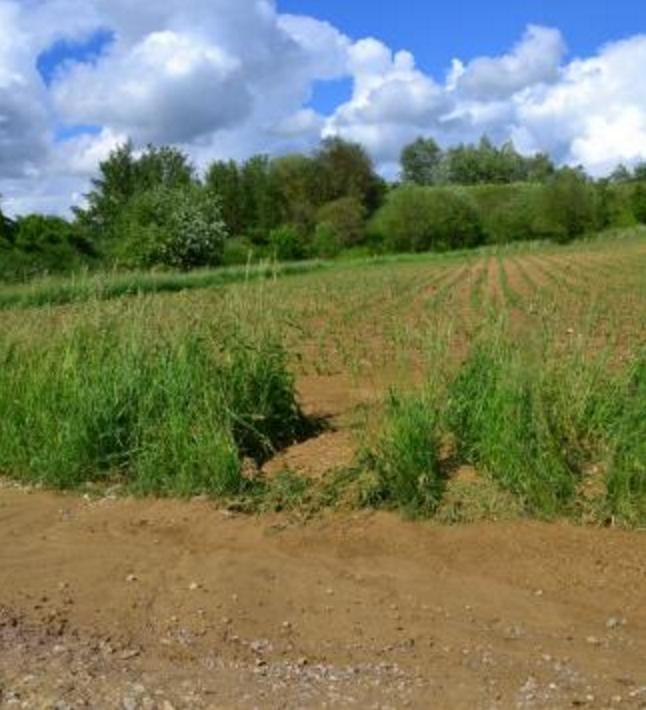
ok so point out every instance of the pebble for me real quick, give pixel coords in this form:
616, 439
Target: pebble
613, 622
131, 578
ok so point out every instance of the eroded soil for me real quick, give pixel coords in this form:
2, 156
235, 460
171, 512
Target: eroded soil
154, 604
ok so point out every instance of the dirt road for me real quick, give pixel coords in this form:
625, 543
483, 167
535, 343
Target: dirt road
148, 604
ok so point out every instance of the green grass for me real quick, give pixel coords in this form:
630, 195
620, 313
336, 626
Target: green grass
533, 421
169, 409
84, 287
405, 456
107, 286
542, 416
627, 466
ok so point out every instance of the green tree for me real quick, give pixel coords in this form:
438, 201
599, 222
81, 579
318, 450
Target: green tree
179, 227
420, 219
639, 202
261, 199
296, 184
6, 229
287, 243
122, 176
224, 180
621, 174
346, 170
639, 172
569, 206
421, 162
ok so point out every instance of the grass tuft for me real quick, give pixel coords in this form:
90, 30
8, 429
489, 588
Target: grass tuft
167, 412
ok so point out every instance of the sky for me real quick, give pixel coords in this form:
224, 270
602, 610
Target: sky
230, 78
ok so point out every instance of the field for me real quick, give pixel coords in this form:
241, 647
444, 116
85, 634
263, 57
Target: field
503, 390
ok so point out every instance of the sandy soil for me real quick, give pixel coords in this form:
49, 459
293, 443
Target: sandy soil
156, 604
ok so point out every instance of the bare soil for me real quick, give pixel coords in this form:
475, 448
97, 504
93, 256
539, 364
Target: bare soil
155, 604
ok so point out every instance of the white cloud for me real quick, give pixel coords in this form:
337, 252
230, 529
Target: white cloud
228, 78
535, 59
168, 88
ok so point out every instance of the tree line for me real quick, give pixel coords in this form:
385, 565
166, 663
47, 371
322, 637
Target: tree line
153, 209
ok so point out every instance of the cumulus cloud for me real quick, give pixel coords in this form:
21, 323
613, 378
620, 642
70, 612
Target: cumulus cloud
23, 113
229, 78
168, 88
535, 59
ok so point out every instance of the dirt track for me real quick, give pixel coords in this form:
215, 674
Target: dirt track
131, 604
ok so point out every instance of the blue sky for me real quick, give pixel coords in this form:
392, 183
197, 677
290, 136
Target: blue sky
436, 32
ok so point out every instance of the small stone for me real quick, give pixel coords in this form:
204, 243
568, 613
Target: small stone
593, 641
613, 622
193, 587
129, 704
131, 578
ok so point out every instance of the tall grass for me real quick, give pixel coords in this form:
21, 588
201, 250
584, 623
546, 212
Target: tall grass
165, 408
85, 287
406, 454
536, 421
627, 467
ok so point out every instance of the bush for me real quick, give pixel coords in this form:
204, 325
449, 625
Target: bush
176, 227
347, 217
639, 202
327, 243
568, 208
39, 244
238, 251
287, 243
508, 212
615, 205
428, 219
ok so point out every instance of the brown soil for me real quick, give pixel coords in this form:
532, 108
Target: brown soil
157, 604
316, 457
494, 292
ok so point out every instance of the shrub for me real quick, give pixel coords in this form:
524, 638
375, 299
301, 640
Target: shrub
287, 243
347, 217
238, 250
39, 244
508, 211
177, 227
428, 219
327, 243
615, 205
639, 202
568, 208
